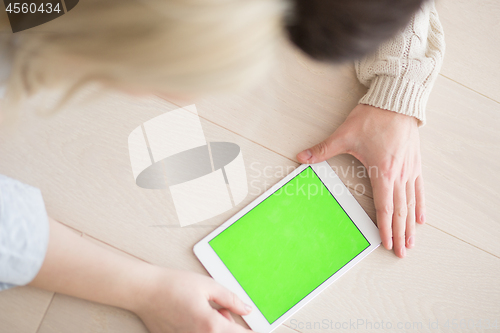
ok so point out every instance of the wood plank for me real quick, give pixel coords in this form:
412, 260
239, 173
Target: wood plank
472, 33
461, 160
109, 247
22, 309
69, 314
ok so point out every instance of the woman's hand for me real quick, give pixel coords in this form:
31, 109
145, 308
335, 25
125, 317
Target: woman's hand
166, 300
388, 145
178, 301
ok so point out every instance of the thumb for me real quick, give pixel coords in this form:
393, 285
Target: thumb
322, 151
229, 300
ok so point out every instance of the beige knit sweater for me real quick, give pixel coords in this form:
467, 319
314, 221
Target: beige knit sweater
401, 73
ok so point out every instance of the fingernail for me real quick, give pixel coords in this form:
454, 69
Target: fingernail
389, 244
403, 251
305, 155
411, 241
422, 218
248, 308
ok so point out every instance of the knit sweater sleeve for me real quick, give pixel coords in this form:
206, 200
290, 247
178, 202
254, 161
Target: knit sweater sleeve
401, 73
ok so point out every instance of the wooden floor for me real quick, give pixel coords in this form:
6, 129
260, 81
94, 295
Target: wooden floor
80, 161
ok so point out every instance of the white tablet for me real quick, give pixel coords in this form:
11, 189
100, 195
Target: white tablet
289, 244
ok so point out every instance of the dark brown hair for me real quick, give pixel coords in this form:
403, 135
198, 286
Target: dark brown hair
339, 30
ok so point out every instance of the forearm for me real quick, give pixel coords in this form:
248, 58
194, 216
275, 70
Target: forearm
77, 267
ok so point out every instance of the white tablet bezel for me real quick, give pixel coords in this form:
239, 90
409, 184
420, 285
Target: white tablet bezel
221, 273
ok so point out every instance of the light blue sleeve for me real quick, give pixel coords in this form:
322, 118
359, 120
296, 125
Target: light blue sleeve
24, 232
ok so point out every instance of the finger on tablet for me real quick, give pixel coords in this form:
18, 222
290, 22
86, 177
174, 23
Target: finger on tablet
227, 299
410, 218
382, 196
399, 219
333, 145
420, 200
226, 314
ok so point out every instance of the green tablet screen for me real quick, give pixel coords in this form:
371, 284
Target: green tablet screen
289, 244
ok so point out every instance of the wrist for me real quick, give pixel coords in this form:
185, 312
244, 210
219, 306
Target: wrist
383, 115
411, 120
136, 285
146, 281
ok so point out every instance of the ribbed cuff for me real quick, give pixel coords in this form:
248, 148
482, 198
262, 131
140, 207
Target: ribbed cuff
399, 95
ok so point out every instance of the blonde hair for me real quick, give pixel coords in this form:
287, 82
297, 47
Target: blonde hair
175, 46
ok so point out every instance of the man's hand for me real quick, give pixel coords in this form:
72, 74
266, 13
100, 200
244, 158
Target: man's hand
388, 145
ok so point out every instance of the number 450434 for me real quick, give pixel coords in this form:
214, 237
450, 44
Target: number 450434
32, 8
